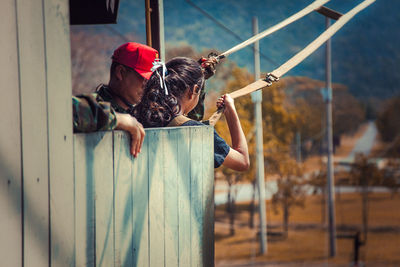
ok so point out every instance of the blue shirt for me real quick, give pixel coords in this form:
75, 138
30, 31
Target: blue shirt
221, 148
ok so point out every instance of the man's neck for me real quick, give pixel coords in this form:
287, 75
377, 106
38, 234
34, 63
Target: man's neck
118, 102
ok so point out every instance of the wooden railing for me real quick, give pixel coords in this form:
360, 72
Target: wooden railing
153, 210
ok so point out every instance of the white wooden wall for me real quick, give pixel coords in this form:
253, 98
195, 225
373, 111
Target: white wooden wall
36, 149
155, 210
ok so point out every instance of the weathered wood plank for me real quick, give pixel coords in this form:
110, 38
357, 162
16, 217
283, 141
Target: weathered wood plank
84, 200
140, 207
58, 74
34, 132
156, 198
196, 141
171, 167
103, 172
123, 200
160, 222
184, 196
208, 197
10, 142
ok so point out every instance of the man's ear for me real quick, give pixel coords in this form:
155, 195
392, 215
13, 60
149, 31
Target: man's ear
119, 72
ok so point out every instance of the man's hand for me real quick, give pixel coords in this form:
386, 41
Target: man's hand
208, 64
128, 123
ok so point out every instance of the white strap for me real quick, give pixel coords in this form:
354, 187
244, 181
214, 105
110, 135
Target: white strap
299, 57
278, 26
159, 64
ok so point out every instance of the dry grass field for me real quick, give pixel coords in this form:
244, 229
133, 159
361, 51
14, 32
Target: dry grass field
307, 241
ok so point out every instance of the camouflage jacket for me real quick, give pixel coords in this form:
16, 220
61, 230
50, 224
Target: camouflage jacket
95, 111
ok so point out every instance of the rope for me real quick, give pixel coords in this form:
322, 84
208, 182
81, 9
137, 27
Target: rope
295, 60
276, 27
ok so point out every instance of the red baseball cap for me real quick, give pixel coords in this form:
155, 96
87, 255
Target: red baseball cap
136, 56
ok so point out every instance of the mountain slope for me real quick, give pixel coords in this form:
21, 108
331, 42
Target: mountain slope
365, 52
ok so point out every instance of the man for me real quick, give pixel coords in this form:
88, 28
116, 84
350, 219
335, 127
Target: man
110, 106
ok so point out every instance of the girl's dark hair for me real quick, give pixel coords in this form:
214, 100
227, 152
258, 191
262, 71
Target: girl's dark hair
156, 108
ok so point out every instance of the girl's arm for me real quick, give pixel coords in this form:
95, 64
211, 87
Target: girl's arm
238, 156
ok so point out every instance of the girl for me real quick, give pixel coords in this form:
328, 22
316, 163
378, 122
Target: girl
173, 91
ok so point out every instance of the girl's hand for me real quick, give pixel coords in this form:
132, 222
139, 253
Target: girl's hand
226, 101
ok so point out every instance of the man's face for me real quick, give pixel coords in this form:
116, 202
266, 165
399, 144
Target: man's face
132, 84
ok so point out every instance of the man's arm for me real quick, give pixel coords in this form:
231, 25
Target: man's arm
91, 115
128, 123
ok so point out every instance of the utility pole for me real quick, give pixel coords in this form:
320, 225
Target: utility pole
331, 178
257, 98
327, 95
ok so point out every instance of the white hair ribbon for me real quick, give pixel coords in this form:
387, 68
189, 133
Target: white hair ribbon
159, 64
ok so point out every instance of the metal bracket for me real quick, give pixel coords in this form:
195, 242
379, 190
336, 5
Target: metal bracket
215, 56
270, 78
326, 94
330, 13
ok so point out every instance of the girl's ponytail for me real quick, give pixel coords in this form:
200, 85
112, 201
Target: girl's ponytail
157, 108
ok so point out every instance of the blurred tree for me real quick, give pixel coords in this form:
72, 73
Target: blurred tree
365, 174
240, 78
318, 181
91, 59
388, 124
291, 191
232, 178
279, 126
391, 176
304, 93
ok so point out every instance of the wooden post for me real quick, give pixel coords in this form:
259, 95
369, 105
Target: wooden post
155, 26
10, 140
36, 141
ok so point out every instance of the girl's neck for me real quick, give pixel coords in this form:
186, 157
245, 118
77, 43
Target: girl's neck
184, 109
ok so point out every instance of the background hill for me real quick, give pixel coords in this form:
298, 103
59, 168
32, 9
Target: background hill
365, 51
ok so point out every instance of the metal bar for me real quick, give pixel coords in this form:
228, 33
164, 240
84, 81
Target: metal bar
148, 22
330, 13
161, 39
